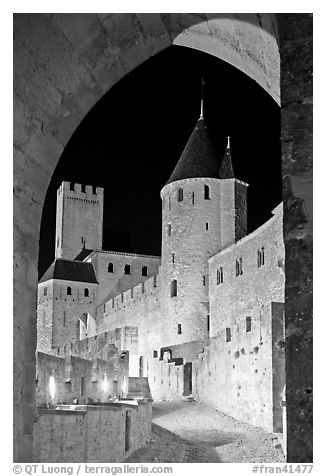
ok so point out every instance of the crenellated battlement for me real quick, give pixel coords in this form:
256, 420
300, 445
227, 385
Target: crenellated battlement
82, 192
150, 287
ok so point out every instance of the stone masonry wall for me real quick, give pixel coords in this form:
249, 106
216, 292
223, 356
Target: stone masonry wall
102, 379
116, 282
91, 434
58, 313
237, 376
79, 220
257, 285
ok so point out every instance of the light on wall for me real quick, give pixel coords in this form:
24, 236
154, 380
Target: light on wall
105, 383
52, 387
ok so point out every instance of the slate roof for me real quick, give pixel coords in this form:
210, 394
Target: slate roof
70, 270
198, 158
226, 168
83, 254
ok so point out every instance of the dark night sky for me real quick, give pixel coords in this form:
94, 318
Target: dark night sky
131, 140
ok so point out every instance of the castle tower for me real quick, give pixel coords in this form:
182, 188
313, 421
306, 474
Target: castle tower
204, 211
79, 220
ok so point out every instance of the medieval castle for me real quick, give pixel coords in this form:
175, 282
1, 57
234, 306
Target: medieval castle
204, 320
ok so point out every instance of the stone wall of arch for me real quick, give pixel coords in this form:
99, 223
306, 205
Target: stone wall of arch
63, 64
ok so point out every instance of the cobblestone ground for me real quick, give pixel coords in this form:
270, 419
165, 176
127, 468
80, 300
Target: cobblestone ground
192, 432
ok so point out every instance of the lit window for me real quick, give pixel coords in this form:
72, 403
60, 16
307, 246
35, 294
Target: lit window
180, 194
206, 192
127, 269
174, 288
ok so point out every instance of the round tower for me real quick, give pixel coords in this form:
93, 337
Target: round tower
204, 211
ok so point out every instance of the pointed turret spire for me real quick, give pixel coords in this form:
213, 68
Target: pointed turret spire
226, 168
202, 99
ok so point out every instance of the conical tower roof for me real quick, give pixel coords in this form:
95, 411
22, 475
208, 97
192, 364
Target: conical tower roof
198, 158
226, 168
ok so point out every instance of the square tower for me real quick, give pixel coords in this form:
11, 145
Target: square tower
79, 219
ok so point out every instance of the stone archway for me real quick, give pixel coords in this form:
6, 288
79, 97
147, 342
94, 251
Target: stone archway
63, 64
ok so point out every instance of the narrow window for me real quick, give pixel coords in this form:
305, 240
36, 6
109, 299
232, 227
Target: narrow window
206, 225
155, 354
173, 257
193, 198
45, 291
260, 257
127, 269
110, 268
219, 275
179, 329
64, 318
113, 302
82, 386
169, 203
154, 281
68, 291
206, 192
132, 293
248, 324
180, 194
86, 292
228, 334
238, 267
57, 242
174, 287
204, 280
122, 297
208, 322
144, 271
142, 287
169, 229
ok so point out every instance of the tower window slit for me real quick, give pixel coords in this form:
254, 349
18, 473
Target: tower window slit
206, 192
174, 288
180, 194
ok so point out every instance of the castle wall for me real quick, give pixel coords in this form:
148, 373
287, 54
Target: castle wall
257, 285
194, 229
93, 380
244, 377
58, 313
91, 433
242, 371
116, 282
79, 220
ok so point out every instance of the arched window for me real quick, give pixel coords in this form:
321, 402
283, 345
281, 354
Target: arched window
206, 192
68, 291
86, 292
127, 269
110, 268
144, 271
